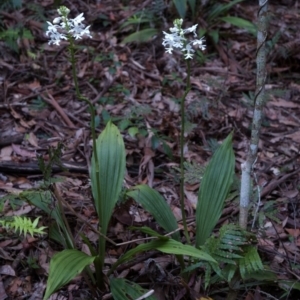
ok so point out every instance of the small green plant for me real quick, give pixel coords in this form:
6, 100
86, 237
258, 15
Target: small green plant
32, 262
11, 36
235, 256
216, 13
213, 12
23, 225
107, 60
54, 160
144, 24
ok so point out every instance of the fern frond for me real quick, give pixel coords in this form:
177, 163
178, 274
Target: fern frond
233, 252
229, 271
23, 225
207, 276
194, 266
227, 247
226, 256
250, 262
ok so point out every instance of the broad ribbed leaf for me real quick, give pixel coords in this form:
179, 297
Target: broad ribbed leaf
166, 246
155, 204
215, 186
141, 36
123, 289
177, 248
181, 7
111, 167
242, 23
64, 266
192, 4
220, 9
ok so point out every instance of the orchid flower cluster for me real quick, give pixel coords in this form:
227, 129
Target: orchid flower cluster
177, 39
63, 27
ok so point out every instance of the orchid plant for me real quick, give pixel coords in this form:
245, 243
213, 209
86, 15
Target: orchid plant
178, 39
107, 175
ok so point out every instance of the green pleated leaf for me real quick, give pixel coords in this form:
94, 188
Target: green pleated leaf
123, 289
215, 186
192, 4
181, 7
241, 23
111, 171
141, 36
64, 266
177, 248
155, 204
219, 9
169, 246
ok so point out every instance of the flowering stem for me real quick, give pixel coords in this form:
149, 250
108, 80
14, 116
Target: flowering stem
101, 249
188, 87
177, 40
64, 28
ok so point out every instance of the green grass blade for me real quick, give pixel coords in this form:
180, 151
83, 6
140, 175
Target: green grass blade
215, 186
64, 266
155, 204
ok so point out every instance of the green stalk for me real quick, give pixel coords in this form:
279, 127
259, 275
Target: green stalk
99, 262
182, 206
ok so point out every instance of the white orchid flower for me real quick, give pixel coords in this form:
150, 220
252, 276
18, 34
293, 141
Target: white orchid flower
63, 27
177, 40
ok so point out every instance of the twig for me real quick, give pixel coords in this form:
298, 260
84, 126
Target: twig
148, 294
58, 108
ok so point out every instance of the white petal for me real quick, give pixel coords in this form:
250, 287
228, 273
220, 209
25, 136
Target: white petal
188, 55
78, 19
57, 20
169, 50
191, 29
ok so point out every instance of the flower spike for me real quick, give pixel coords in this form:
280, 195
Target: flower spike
177, 40
63, 27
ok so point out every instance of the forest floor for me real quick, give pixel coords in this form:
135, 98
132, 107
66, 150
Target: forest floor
138, 86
